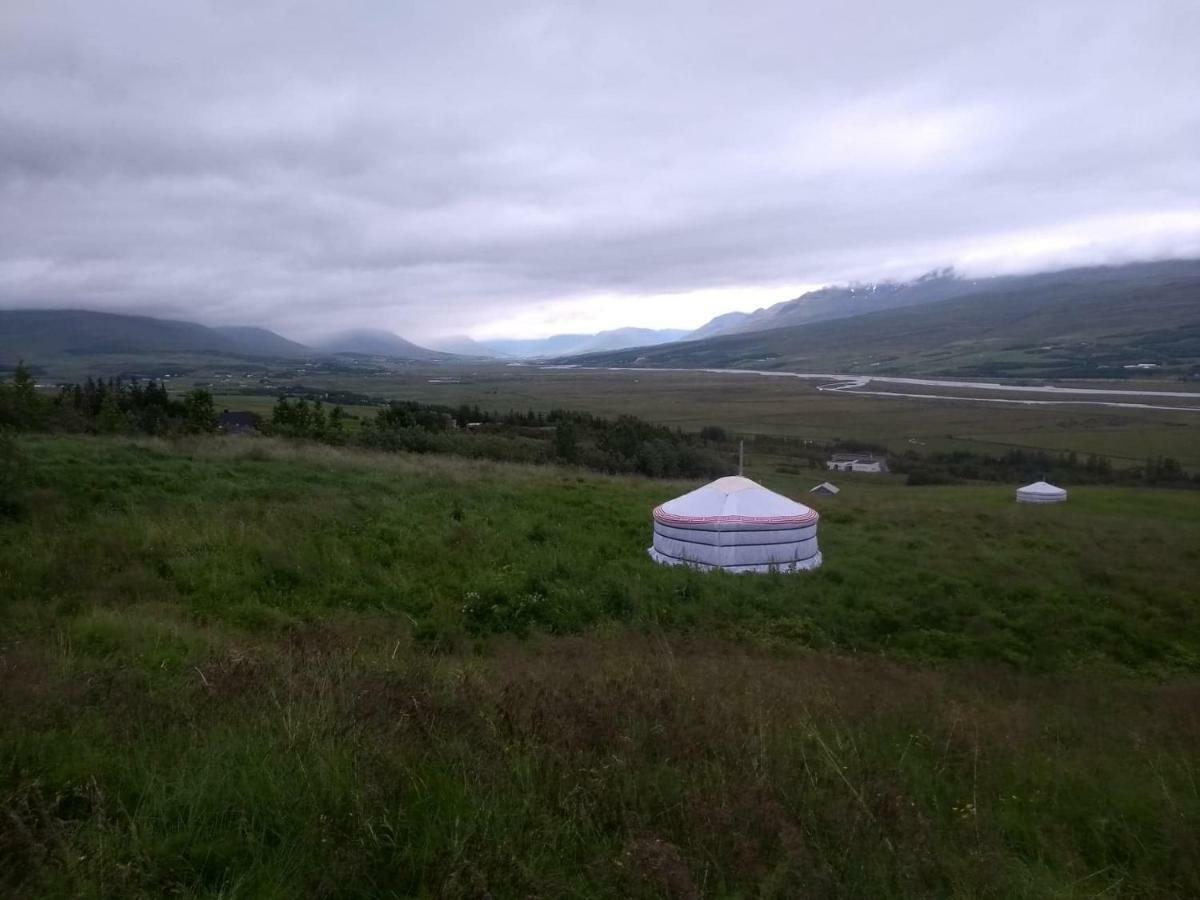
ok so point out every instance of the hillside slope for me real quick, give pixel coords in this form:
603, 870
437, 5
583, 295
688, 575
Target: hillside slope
1077, 323
376, 342
263, 342
464, 345
74, 344
35, 334
726, 323
842, 302
567, 344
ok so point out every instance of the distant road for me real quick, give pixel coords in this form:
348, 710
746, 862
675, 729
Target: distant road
855, 384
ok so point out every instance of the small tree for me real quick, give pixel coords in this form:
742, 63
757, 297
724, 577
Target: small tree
302, 418
336, 428
200, 417
565, 446
318, 422
111, 419
281, 416
20, 405
12, 475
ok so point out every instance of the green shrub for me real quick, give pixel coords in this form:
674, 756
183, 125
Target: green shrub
12, 476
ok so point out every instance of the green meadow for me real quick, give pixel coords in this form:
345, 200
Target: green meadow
253, 668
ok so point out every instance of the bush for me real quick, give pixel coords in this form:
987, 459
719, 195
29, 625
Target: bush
12, 476
921, 477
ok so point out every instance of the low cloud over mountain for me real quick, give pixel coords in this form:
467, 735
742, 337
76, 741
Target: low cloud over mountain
542, 168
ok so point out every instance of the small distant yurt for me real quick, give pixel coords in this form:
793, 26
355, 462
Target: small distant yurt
736, 525
825, 489
1041, 492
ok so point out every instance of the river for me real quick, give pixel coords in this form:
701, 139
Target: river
856, 384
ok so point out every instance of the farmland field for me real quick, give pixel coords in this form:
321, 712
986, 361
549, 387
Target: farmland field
247, 668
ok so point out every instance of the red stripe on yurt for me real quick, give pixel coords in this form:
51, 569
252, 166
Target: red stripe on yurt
666, 518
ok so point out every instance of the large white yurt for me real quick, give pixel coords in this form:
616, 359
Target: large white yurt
737, 525
1041, 492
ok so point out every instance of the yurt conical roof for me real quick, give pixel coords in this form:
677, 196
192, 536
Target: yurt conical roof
737, 525
1041, 492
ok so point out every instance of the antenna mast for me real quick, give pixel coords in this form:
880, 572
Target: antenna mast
741, 457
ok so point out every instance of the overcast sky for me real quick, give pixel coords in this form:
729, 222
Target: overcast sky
509, 168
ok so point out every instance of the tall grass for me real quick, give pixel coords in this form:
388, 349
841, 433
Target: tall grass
259, 533
249, 669
337, 764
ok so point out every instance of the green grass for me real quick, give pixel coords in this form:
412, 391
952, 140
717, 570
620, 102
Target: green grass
243, 668
246, 530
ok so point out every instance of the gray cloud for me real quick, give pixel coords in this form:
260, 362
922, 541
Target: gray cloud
454, 166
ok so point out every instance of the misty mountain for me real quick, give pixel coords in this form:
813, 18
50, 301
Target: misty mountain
617, 338
846, 301
1077, 323
376, 342
39, 334
81, 340
462, 345
537, 348
569, 344
262, 342
726, 323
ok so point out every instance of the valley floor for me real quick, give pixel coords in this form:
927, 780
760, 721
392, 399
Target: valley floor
247, 668
782, 405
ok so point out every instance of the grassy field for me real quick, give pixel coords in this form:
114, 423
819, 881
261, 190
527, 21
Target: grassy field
242, 668
749, 405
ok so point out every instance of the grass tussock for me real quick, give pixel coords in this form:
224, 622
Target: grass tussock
337, 764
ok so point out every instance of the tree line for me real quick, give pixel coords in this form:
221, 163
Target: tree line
1018, 464
626, 444
100, 406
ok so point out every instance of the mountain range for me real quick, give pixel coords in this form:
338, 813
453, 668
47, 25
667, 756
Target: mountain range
1087, 322
78, 339
844, 302
376, 342
571, 344
34, 333
462, 345
252, 341
1074, 323
73, 339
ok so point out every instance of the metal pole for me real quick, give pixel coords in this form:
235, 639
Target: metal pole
741, 457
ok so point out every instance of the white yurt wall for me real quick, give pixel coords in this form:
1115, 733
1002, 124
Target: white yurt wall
1041, 492
736, 525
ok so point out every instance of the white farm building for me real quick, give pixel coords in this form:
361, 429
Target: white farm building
856, 462
1041, 492
736, 525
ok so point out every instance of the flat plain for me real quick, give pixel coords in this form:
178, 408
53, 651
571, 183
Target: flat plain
794, 408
